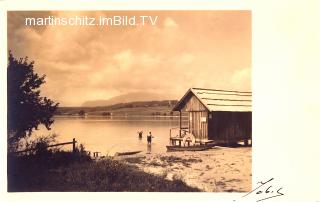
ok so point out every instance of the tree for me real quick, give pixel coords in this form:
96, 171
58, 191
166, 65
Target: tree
106, 114
26, 108
82, 112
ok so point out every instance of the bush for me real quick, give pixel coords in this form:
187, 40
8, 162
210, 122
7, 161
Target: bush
31, 170
40, 145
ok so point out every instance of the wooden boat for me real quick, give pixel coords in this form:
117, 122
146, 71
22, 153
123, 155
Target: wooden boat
190, 148
127, 153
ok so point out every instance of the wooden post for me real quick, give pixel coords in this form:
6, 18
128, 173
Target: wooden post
180, 124
74, 145
96, 154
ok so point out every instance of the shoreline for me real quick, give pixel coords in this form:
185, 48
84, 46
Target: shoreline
119, 116
220, 169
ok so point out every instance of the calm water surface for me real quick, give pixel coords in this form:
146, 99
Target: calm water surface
113, 135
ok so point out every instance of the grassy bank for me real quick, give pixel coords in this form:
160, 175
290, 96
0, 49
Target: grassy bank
85, 175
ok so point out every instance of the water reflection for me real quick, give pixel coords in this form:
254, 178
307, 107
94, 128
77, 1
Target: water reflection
109, 136
148, 148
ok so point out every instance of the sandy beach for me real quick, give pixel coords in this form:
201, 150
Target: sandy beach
219, 169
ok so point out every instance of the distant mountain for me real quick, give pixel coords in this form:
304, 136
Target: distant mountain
130, 97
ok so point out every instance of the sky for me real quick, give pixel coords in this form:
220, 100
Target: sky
184, 49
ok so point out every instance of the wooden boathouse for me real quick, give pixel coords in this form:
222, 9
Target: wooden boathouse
219, 116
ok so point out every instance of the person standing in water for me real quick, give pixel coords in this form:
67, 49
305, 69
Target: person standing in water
149, 138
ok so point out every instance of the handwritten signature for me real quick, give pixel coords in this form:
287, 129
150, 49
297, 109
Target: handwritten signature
264, 191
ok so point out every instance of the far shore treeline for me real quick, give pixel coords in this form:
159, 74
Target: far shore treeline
143, 108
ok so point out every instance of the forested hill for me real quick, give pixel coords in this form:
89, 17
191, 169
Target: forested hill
163, 107
130, 97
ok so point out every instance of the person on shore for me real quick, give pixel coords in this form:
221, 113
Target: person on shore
140, 134
149, 138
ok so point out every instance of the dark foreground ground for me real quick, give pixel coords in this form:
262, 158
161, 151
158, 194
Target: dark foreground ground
28, 174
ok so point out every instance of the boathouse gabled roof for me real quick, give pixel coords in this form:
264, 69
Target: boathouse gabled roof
218, 100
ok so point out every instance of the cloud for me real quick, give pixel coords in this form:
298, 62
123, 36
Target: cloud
124, 60
182, 51
241, 79
186, 59
170, 23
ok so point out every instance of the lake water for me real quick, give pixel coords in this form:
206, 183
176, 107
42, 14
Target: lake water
109, 136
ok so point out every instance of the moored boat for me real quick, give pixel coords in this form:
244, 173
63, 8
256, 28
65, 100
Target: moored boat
127, 153
189, 148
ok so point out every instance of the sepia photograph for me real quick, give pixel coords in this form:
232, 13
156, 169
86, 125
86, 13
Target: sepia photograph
129, 101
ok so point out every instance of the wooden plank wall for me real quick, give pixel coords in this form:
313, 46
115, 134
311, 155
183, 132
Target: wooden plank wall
197, 127
229, 127
193, 104
197, 110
